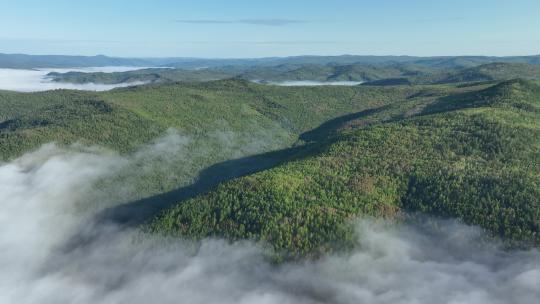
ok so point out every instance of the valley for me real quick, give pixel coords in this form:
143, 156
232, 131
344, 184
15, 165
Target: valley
198, 167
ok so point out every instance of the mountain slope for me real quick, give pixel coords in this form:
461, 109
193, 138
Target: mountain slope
215, 122
49, 61
494, 71
467, 151
22, 61
474, 156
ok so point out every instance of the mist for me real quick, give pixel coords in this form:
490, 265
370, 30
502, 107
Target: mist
37, 80
43, 194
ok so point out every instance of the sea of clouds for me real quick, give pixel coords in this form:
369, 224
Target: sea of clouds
36, 80
41, 194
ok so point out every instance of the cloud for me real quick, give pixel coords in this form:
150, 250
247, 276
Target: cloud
37, 80
428, 261
265, 22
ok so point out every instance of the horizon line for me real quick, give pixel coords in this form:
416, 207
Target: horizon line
270, 57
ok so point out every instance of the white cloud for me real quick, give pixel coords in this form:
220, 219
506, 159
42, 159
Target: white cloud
36, 80
41, 194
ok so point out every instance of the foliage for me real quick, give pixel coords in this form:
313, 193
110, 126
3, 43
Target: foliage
470, 151
480, 164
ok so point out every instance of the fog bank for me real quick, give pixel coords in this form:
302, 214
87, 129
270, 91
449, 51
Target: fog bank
431, 261
37, 80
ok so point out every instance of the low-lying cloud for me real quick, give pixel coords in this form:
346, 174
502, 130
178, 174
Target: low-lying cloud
431, 261
37, 80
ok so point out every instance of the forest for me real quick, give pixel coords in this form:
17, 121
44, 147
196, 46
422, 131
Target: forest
311, 159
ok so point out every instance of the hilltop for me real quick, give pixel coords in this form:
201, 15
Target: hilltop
379, 75
470, 155
291, 166
62, 61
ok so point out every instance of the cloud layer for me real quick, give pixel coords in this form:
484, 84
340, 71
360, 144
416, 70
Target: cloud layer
41, 195
36, 80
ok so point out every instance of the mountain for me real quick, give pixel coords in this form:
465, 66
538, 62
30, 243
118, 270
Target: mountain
291, 166
20, 61
396, 74
280, 73
154, 75
221, 120
471, 155
493, 71
482, 73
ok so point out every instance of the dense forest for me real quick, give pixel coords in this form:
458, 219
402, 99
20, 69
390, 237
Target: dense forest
466, 151
22, 61
471, 155
371, 74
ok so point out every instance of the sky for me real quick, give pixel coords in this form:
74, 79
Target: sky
263, 28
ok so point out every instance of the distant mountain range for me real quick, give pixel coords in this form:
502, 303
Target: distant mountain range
22, 61
379, 75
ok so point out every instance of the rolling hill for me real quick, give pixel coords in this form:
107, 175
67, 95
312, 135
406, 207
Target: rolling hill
375, 75
470, 155
24, 61
291, 166
220, 120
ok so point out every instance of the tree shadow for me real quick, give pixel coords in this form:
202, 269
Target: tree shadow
465, 100
138, 212
327, 129
135, 213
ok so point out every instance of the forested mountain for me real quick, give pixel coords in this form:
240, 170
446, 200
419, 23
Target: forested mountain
280, 73
390, 74
60, 61
493, 71
471, 155
221, 120
22, 61
290, 166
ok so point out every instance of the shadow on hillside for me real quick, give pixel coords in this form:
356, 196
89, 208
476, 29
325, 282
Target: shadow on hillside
138, 212
454, 102
328, 128
474, 99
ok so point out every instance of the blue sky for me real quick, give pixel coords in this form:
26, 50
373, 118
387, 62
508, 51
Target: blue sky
233, 28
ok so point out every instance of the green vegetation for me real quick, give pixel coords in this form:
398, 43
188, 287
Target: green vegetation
373, 75
470, 155
143, 75
30, 120
21, 61
493, 71
323, 73
482, 73
468, 150
220, 120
